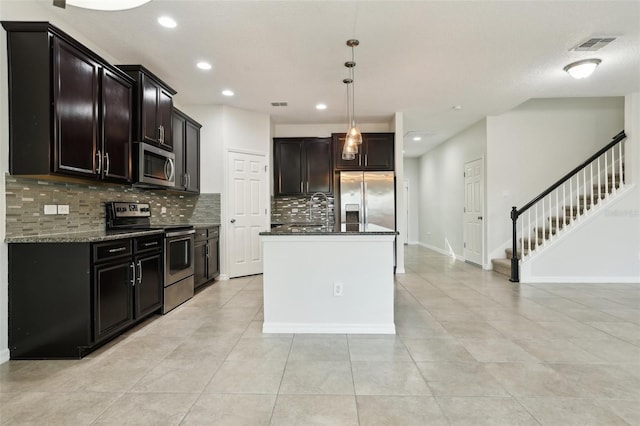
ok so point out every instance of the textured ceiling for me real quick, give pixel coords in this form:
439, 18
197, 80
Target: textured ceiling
418, 57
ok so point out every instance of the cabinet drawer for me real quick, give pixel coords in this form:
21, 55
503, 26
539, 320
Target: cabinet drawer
152, 242
111, 250
214, 232
201, 234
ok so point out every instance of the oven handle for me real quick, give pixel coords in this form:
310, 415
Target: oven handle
180, 233
169, 169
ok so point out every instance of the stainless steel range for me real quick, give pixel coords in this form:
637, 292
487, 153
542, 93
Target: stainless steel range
178, 248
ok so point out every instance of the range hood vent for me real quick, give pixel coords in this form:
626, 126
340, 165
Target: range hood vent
279, 104
593, 44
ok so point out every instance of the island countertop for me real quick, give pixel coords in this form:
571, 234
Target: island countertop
304, 228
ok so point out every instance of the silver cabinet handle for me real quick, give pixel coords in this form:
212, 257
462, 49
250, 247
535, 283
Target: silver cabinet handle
107, 163
139, 271
99, 155
133, 274
116, 250
233, 221
155, 243
206, 252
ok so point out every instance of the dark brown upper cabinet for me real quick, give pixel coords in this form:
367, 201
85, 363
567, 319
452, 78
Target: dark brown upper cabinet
153, 107
303, 166
69, 110
375, 153
186, 147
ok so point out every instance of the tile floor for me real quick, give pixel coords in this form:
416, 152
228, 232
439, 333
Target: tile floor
471, 349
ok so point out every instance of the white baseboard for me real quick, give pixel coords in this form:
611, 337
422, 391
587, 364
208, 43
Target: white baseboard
302, 328
579, 280
4, 356
223, 277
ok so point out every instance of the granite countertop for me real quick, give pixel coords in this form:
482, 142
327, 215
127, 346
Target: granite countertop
204, 224
305, 228
81, 237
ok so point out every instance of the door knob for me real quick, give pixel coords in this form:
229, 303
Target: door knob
479, 217
233, 221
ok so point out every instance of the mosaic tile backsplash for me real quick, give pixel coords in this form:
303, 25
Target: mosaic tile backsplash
26, 199
296, 209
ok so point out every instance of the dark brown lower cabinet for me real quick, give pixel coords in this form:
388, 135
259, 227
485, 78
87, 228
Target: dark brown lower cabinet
66, 299
206, 257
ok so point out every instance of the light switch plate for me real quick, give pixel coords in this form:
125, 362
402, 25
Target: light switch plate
63, 208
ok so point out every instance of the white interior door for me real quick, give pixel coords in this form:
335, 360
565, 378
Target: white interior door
473, 211
246, 212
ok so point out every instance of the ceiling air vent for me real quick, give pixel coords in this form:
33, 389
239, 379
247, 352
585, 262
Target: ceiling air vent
593, 44
279, 104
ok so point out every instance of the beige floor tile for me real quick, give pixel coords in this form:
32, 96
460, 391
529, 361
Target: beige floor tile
257, 377
497, 350
601, 380
629, 410
315, 410
399, 411
477, 329
255, 330
531, 379
231, 410
377, 349
195, 348
612, 350
148, 409
263, 349
317, 377
570, 412
460, 379
54, 408
388, 378
626, 331
557, 350
330, 347
182, 376
481, 411
438, 350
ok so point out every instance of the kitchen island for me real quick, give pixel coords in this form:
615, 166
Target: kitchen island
320, 279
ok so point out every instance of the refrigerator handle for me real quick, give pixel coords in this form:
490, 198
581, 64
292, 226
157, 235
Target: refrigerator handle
365, 209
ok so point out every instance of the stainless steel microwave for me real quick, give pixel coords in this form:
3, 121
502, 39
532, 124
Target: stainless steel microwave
155, 167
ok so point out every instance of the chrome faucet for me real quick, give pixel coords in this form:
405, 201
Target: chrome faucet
326, 210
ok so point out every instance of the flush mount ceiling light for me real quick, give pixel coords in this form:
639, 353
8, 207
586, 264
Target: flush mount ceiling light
321, 107
582, 69
111, 5
167, 22
417, 138
204, 65
228, 92
354, 137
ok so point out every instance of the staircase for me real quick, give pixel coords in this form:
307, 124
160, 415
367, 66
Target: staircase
586, 187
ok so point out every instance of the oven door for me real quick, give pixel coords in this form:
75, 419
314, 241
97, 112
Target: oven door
178, 256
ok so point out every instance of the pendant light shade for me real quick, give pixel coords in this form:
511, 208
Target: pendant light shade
353, 136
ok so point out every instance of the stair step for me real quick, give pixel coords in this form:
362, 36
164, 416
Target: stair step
606, 188
502, 266
533, 243
575, 209
509, 252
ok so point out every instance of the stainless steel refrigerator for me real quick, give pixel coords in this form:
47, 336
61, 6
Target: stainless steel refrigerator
371, 195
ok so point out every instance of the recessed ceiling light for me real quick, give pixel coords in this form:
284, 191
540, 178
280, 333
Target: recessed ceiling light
456, 107
106, 4
204, 65
321, 106
417, 138
228, 92
167, 22
582, 69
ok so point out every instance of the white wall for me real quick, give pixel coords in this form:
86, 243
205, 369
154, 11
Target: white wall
412, 176
535, 144
441, 189
606, 246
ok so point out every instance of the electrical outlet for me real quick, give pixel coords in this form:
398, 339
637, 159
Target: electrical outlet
163, 210
63, 208
50, 209
337, 289
294, 210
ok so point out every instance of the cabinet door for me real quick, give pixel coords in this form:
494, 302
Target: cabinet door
149, 125
319, 167
289, 171
340, 164
192, 156
165, 112
379, 151
117, 97
200, 263
75, 109
112, 298
148, 285
178, 127
213, 259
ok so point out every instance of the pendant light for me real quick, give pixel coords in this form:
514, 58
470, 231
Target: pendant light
353, 136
